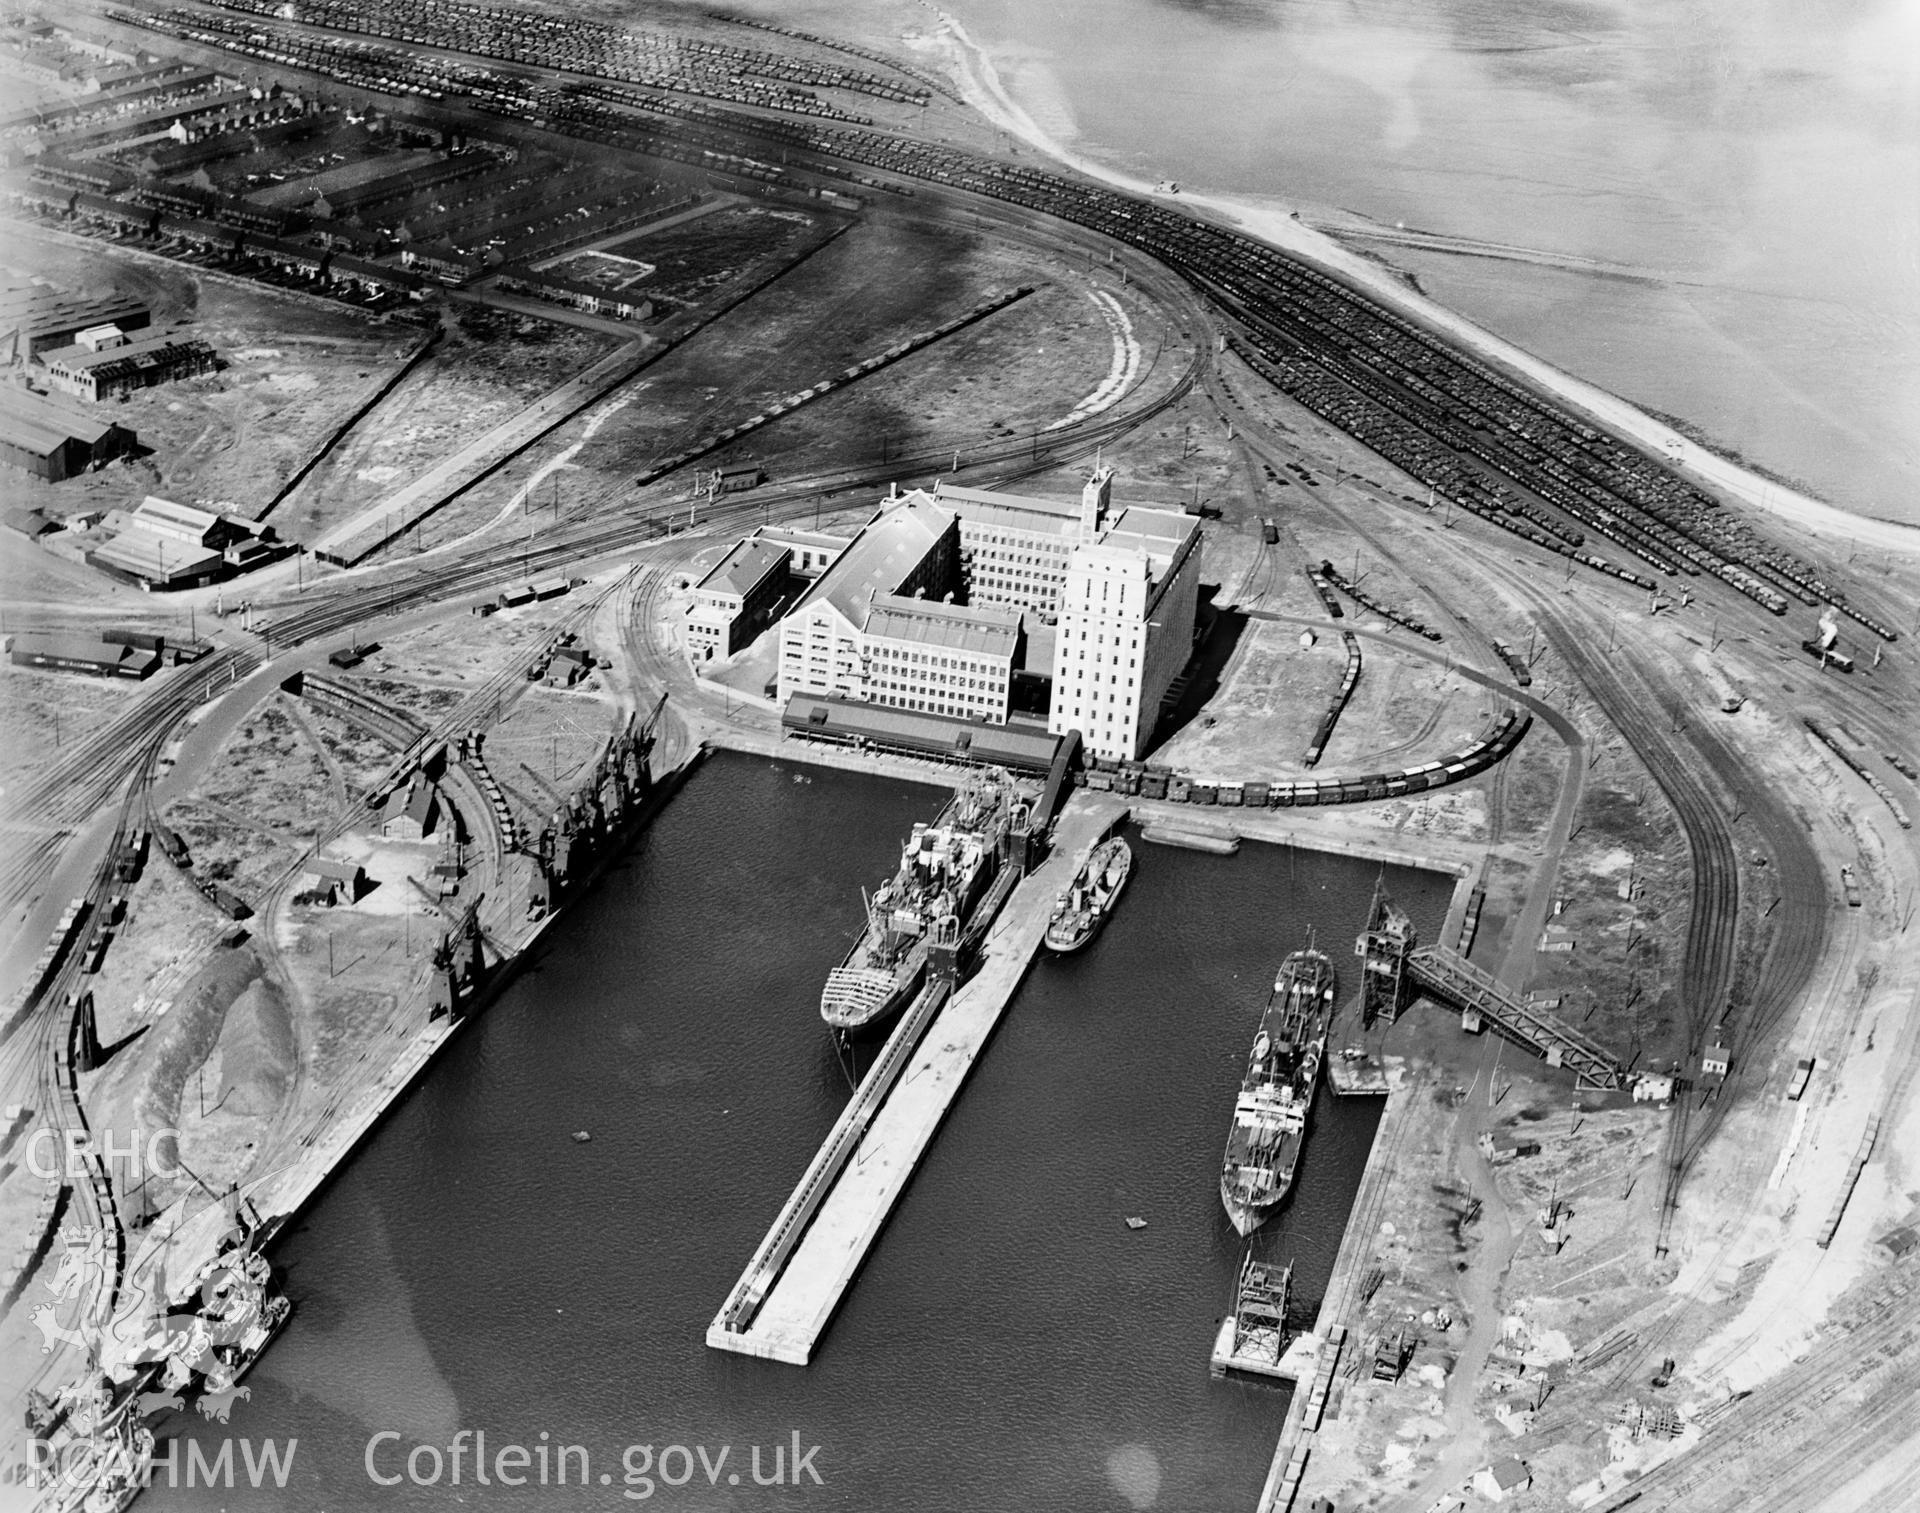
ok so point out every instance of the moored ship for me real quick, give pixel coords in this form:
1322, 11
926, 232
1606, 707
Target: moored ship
1270, 1115
945, 869
1084, 906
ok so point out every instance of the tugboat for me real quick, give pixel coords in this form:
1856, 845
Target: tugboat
945, 869
1270, 1115
1090, 897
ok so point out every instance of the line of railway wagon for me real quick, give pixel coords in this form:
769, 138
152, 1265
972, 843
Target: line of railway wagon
1155, 782
1370, 352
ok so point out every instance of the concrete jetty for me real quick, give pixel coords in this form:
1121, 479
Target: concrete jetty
846, 1215
1340, 1307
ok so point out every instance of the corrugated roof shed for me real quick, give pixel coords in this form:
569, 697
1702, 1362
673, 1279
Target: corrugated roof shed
44, 314
1011, 746
174, 519
157, 558
932, 735
36, 423
82, 647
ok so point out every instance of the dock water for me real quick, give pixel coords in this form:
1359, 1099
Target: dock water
797, 1304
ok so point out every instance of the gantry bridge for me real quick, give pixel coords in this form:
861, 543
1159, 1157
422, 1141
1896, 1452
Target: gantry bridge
1399, 971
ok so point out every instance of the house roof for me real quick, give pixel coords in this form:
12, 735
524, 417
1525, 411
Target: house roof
415, 803
334, 869
985, 632
879, 559
1900, 1241
1508, 1474
746, 567
561, 284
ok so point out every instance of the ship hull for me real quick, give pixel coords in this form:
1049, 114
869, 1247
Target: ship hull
880, 977
1276, 1097
1076, 931
1244, 1217
866, 1022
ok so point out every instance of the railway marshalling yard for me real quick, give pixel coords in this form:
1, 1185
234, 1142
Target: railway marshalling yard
1660, 859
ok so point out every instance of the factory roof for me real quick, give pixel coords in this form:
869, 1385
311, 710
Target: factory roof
163, 513
987, 632
146, 554
35, 423
1046, 517
1041, 641
37, 308
134, 354
745, 568
781, 535
1158, 533
880, 558
1065, 509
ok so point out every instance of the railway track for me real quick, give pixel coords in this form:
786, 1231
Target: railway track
1652, 718
75, 788
1851, 1392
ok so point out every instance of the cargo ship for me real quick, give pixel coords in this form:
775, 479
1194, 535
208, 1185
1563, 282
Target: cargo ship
945, 869
1270, 1115
1090, 897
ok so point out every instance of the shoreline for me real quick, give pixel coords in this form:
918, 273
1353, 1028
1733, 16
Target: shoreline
1273, 222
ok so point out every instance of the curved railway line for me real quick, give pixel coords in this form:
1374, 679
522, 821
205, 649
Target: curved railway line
1708, 960
1514, 457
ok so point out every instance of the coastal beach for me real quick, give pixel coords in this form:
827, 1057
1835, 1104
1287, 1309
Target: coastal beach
974, 68
1696, 226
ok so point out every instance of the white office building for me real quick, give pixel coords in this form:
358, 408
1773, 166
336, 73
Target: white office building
1119, 589
909, 551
